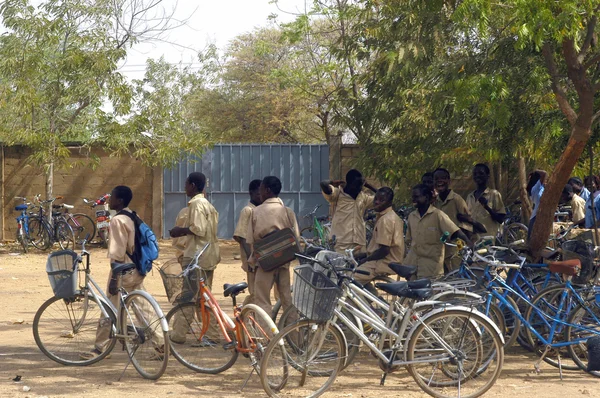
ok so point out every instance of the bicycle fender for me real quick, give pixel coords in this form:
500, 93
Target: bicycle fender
152, 300
271, 324
449, 292
343, 337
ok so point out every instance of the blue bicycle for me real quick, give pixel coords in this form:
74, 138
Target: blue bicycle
23, 224
31, 228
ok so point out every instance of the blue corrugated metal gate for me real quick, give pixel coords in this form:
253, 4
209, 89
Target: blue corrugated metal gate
229, 170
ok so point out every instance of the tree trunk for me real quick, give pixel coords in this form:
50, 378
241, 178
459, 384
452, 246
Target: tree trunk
335, 157
49, 188
525, 202
555, 184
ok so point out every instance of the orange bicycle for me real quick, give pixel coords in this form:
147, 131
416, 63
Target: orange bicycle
203, 337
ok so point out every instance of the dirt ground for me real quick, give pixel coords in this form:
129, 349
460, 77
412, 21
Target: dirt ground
24, 287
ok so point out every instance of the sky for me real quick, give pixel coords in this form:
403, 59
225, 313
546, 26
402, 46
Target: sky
208, 21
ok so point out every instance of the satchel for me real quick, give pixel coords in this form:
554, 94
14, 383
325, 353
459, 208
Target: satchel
277, 248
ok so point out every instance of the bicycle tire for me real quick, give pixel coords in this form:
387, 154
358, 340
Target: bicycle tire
146, 342
311, 366
459, 327
39, 233
194, 353
82, 225
21, 238
63, 329
258, 331
546, 299
513, 232
579, 352
64, 234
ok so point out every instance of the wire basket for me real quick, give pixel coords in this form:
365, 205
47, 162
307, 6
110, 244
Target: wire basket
62, 267
178, 288
315, 295
584, 251
333, 259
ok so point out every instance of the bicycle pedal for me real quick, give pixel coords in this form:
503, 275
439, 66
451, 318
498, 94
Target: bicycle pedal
229, 346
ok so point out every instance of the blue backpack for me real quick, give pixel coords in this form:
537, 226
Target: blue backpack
146, 246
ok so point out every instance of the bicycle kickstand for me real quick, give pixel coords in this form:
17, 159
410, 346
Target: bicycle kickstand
248, 378
536, 365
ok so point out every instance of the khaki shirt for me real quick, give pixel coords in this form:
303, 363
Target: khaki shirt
480, 214
271, 215
202, 221
424, 233
241, 230
179, 243
348, 224
122, 238
388, 231
453, 205
578, 208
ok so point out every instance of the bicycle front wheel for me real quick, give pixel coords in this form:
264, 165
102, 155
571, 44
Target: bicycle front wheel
39, 233
203, 351
455, 353
586, 323
64, 329
146, 342
309, 366
258, 331
82, 225
64, 234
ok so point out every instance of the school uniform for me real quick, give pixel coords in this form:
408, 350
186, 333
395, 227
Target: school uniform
452, 206
388, 231
426, 251
241, 231
577, 208
480, 214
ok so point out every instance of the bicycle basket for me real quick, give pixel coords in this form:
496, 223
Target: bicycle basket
315, 295
331, 258
62, 267
178, 288
584, 251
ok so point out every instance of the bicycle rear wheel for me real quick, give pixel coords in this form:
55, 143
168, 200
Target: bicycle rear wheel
82, 225
473, 363
63, 329
39, 233
204, 353
309, 366
146, 342
258, 331
64, 234
22, 238
588, 320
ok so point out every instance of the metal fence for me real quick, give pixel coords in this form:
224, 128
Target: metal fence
229, 170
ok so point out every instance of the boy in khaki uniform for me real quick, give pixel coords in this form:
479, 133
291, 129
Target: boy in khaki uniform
270, 216
349, 205
426, 225
568, 197
387, 243
199, 229
241, 234
485, 204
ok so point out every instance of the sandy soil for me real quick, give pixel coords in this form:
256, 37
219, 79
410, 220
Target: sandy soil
24, 287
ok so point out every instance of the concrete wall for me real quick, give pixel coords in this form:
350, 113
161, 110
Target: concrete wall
19, 178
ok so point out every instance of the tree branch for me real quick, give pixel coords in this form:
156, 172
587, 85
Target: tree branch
561, 96
588, 38
591, 62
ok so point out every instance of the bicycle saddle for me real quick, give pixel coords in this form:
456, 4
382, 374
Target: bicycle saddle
395, 288
566, 267
121, 267
405, 271
21, 207
233, 290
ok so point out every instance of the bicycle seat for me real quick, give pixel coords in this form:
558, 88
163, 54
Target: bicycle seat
417, 294
395, 288
121, 267
21, 207
322, 218
405, 271
233, 290
566, 267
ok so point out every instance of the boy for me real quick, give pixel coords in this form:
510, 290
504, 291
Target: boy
485, 204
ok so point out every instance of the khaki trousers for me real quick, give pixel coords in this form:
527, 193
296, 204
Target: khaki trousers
263, 283
451, 259
131, 280
371, 266
184, 318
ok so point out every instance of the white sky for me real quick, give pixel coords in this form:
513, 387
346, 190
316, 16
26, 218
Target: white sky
210, 21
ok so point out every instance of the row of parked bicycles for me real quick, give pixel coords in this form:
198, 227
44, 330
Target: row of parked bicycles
35, 228
448, 334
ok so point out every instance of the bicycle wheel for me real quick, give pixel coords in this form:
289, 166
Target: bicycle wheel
588, 320
146, 342
203, 353
22, 238
307, 367
82, 225
513, 232
545, 307
63, 329
64, 234
470, 363
39, 233
258, 331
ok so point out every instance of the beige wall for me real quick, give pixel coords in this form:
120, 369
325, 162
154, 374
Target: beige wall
18, 178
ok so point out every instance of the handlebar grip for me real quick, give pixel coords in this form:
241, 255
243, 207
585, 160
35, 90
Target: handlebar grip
362, 272
517, 242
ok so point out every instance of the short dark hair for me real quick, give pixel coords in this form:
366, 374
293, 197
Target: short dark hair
593, 178
483, 166
198, 179
428, 174
254, 185
567, 189
575, 180
124, 193
273, 184
442, 170
353, 175
424, 190
387, 192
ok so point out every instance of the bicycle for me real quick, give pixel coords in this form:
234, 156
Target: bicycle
458, 346
59, 230
23, 224
31, 228
248, 333
102, 217
65, 326
320, 229
81, 224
